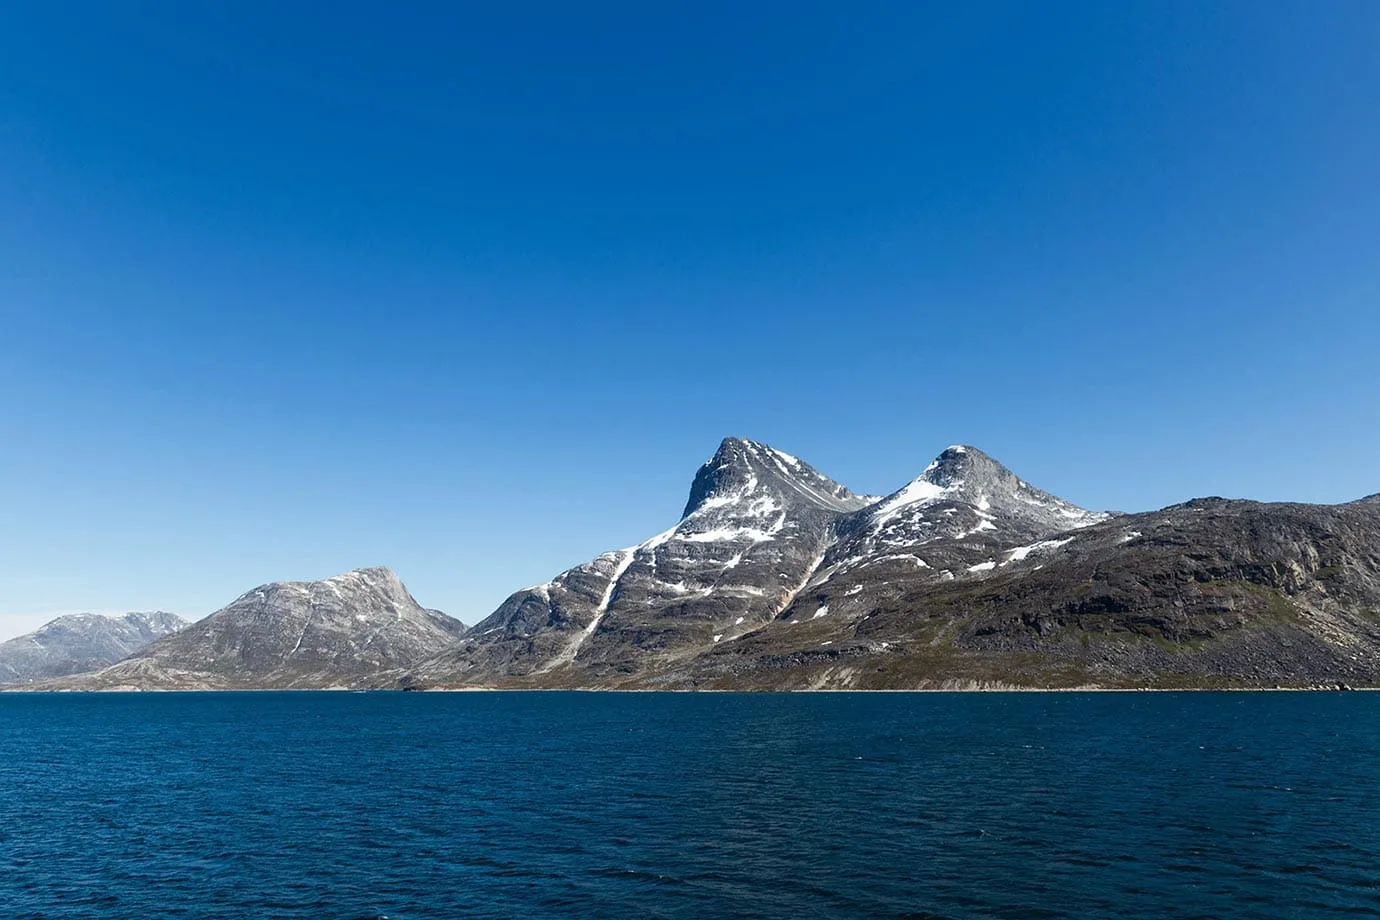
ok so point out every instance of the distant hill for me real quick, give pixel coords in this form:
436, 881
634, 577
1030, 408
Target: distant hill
80, 642
315, 634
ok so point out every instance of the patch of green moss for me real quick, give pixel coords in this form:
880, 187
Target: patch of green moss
1278, 606
1271, 602
1176, 646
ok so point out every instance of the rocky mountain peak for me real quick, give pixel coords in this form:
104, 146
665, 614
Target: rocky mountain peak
377, 578
959, 464
965, 474
964, 493
379, 582
374, 573
757, 523
743, 470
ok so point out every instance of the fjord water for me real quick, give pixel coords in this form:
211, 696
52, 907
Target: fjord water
408, 805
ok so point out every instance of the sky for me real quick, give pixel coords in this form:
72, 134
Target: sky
288, 289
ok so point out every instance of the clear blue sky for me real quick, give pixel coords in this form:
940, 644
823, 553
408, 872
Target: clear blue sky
288, 289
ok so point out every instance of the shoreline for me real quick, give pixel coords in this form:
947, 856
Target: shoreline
17, 690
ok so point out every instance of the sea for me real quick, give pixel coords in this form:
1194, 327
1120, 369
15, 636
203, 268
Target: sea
601, 805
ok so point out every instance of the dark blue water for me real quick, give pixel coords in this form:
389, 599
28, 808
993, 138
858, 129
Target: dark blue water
338, 805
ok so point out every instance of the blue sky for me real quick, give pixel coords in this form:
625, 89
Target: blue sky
287, 289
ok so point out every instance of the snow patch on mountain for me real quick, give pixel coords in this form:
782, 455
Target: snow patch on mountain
1021, 552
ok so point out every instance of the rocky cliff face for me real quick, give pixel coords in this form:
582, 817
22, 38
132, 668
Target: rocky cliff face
338, 632
80, 642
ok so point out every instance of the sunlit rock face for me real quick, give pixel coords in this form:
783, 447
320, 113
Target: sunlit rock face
337, 632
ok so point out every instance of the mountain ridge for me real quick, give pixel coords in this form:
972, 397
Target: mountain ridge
77, 643
938, 559
777, 577
334, 632
755, 504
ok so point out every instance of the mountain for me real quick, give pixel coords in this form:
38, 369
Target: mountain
1209, 593
756, 525
760, 528
337, 632
80, 642
778, 577
960, 512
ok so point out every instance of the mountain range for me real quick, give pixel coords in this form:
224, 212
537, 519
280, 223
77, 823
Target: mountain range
80, 642
334, 633
778, 577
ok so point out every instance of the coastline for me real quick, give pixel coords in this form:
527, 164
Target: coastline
15, 690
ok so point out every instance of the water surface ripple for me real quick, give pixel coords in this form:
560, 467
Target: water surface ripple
920, 806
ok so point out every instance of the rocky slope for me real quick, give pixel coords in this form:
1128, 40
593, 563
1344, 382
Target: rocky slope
1211, 593
779, 578
755, 527
80, 642
338, 632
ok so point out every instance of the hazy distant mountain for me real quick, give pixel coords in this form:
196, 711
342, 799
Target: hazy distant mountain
80, 642
778, 577
329, 633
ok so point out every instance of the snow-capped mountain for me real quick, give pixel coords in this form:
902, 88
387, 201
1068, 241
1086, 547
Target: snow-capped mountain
956, 518
335, 632
963, 493
760, 527
80, 642
755, 527
778, 577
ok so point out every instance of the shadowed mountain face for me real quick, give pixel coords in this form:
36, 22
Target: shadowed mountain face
80, 642
780, 578
337, 632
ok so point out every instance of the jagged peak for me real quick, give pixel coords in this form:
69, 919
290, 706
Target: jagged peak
963, 473
732, 445
957, 462
744, 469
